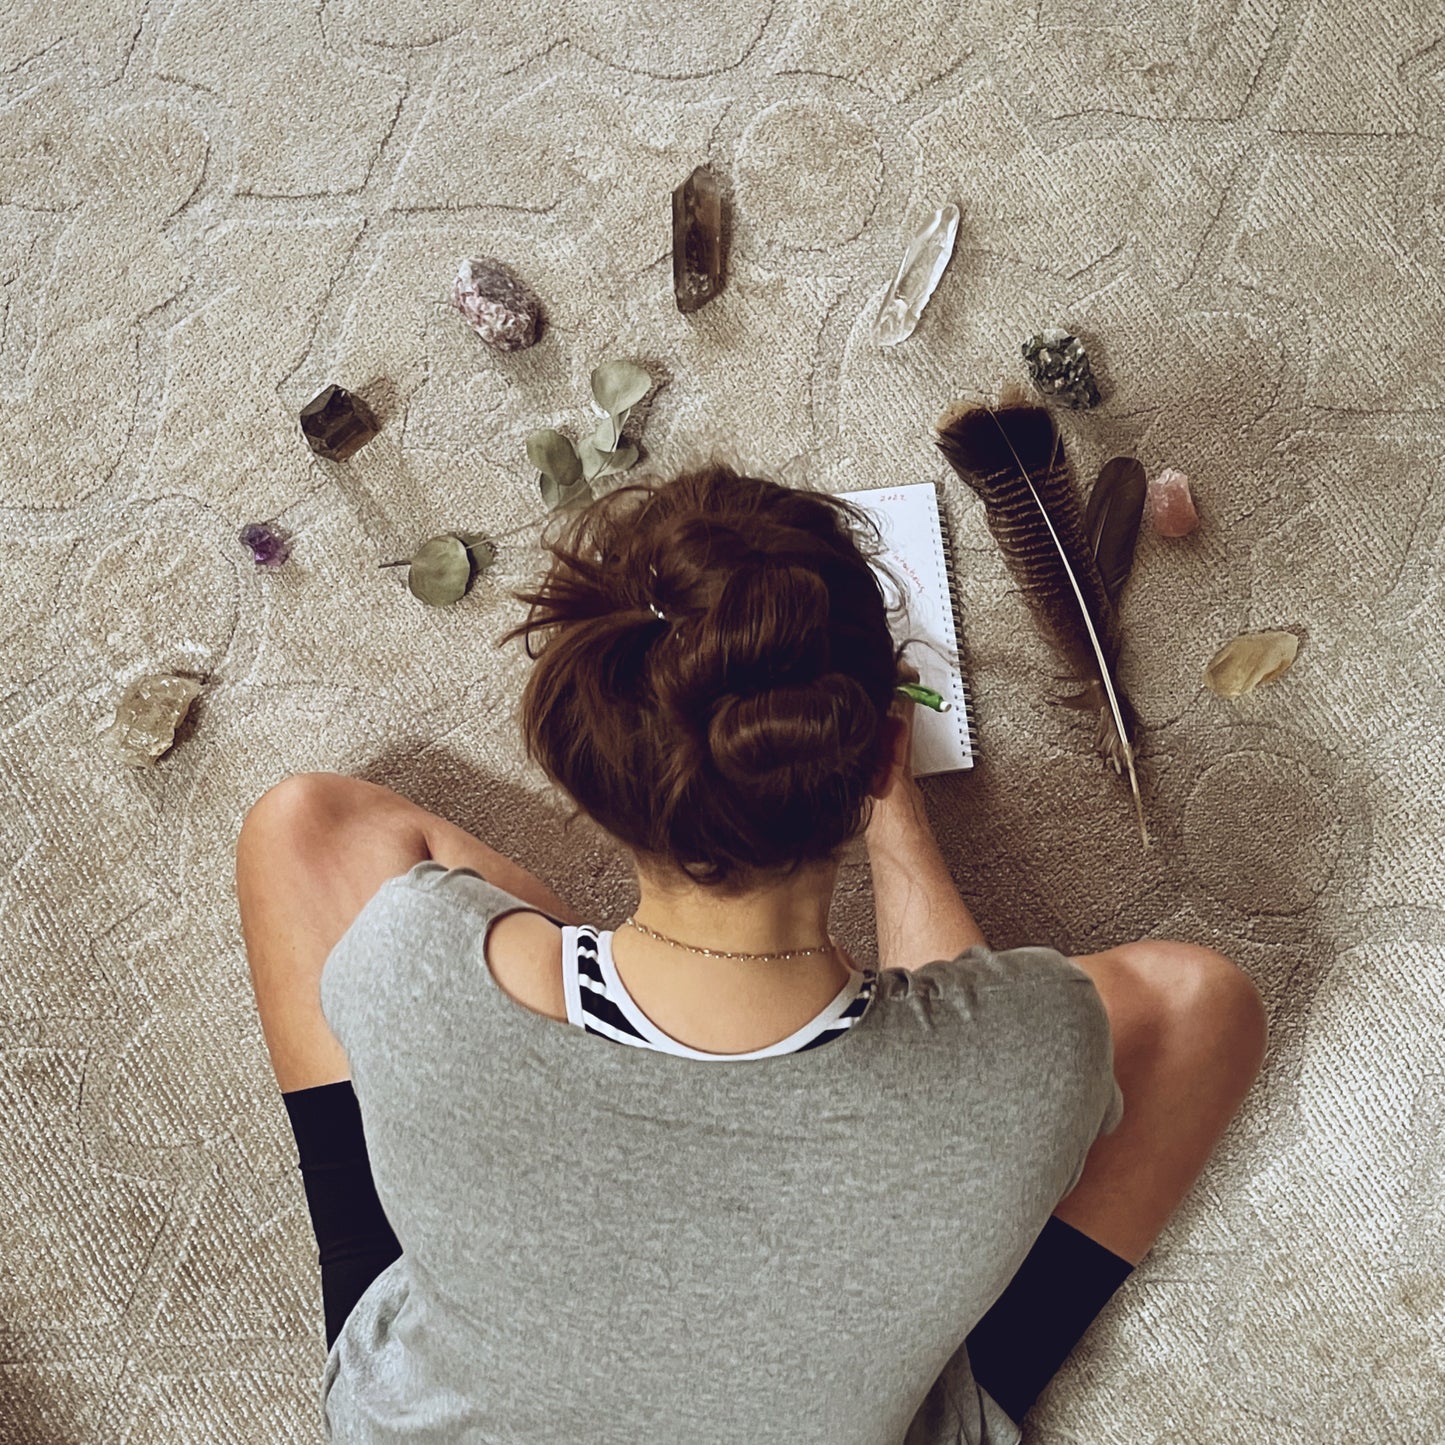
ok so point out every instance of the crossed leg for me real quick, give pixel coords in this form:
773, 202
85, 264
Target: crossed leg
312, 852
1189, 1035
1188, 1025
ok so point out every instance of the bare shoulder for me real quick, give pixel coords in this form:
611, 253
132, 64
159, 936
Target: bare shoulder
524, 953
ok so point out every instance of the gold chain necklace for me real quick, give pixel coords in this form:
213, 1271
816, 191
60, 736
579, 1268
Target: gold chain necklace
630, 921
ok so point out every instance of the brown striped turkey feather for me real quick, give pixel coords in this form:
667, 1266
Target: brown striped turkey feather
1013, 457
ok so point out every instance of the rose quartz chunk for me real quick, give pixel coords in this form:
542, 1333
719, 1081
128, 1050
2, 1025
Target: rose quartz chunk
1170, 507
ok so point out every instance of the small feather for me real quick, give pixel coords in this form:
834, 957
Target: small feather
1111, 519
1013, 458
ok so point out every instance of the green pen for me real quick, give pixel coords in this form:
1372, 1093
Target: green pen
924, 696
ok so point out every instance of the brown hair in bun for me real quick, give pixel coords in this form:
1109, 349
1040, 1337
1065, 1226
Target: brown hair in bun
736, 736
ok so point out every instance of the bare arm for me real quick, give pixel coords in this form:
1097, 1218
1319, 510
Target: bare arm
920, 914
454, 847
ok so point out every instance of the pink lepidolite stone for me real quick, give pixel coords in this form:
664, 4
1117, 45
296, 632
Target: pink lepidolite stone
502, 309
1169, 505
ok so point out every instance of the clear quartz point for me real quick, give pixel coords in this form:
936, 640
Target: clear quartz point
928, 253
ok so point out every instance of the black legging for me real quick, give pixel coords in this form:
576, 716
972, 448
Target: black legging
1015, 1349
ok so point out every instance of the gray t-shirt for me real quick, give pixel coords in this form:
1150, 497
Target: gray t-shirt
606, 1245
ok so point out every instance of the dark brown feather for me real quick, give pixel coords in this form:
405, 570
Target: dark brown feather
1013, 458
1111, 520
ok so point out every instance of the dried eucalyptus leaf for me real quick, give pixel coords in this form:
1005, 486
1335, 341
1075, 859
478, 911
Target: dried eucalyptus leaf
1246, 661
482, 552
593, 458
609, 431
599, 463
623, 458
440, 571
554, 456
619, 385
554, 496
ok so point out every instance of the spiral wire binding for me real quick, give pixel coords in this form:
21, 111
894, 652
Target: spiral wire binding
951, 575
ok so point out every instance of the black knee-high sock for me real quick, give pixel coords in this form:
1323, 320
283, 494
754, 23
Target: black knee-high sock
355, 1240
1044, 1311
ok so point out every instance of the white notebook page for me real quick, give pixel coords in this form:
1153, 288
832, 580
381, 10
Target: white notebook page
912, 533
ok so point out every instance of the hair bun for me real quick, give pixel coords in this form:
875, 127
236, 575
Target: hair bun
752, 625
735, 737
803, 735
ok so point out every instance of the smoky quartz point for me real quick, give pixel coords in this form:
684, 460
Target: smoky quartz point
1059, 366
337, 424
696, 240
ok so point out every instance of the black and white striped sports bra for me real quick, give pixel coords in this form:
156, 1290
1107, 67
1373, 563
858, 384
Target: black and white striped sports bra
598, 1002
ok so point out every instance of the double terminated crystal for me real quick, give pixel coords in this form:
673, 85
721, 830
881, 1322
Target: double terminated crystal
918, 275
1246, 661
696, 240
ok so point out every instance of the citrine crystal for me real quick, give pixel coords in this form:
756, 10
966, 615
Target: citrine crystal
502, 309
337, 424
697, 240
1059, 366
1246, 661
147, 716
923, 264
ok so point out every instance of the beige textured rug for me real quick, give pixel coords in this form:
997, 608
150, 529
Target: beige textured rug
208, 210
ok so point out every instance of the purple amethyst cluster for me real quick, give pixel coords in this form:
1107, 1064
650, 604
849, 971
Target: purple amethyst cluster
267, 546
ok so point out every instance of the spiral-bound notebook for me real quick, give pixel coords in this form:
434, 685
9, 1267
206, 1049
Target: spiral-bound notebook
917, 549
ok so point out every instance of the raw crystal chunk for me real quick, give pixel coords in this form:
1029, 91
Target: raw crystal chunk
267, 546
337, 424
1170, 507
696, 240
147, 716
502, 309
919, 273
1059, 366
1248, 660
